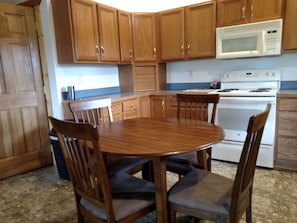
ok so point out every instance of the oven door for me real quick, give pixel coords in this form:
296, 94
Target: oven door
233, 115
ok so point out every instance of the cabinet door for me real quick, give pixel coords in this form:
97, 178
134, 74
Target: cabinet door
171, 30
200, 30
85, 30
125, 36
158, 107
290, 26
144, 37
117, 111
144, 78
108, 33
265, 10
145, 106
231, 12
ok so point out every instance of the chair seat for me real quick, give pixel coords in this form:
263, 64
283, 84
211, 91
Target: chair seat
124, 164
129, 195
199, 192
179, 164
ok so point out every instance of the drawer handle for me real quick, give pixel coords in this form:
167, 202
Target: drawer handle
132, 105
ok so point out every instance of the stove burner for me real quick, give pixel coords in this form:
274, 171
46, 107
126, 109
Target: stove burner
261, 90
228, 90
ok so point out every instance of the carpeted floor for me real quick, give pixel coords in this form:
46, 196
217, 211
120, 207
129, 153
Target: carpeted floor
41, 197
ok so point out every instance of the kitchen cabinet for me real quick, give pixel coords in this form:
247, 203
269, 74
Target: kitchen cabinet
108, 33
158, 109
79, 25
163, 106
140, 77
233, 12
188, 32
144, 37
145, 106
286, 144
125, 35
290, 26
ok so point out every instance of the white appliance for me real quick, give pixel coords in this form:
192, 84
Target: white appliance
243, 94
249, 40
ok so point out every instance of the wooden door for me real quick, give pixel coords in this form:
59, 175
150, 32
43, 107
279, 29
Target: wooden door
108, 34
144, 37
290, 26
200, 30
125, 35
24, 130
261, 10
85, 30
231, 12
171, 31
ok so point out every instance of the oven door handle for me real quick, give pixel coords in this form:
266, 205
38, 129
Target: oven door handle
247, 100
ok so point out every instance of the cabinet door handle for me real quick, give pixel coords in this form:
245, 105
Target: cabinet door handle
97, 50
102, 51
243, 12
252, 10
155, 51
189, 51
182, 48
130, 53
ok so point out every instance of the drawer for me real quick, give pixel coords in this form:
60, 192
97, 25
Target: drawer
287, 104
132, 104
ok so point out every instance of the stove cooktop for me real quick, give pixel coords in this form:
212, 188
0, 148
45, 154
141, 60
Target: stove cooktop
257, 92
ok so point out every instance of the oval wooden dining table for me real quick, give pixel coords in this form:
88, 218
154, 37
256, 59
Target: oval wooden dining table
156, 140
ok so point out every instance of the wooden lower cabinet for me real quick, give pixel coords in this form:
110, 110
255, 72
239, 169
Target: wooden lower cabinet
163, 106
286, 144
145, 106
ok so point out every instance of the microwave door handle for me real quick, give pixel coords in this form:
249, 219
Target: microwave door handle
263, 39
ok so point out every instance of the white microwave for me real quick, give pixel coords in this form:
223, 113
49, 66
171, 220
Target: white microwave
249, 40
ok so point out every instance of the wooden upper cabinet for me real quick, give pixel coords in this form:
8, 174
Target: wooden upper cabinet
86, 32
108, 33
290, 26
144, 37
232, 12
171, 34
200, 30
188, 33
125, 35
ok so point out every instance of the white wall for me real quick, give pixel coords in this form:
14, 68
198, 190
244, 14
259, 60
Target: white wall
210, 69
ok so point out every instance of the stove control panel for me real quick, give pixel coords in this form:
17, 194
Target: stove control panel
251, 75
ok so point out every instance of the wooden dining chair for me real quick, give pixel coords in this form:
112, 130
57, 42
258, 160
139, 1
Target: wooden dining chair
98, 111
193, 106
99, 197
210, 196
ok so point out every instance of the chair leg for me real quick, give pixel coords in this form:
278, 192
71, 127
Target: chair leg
202, 160
249, 210
172, 213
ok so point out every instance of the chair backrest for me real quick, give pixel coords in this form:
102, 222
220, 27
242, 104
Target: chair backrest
96, 111
243, 183
86, 167
195, 106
